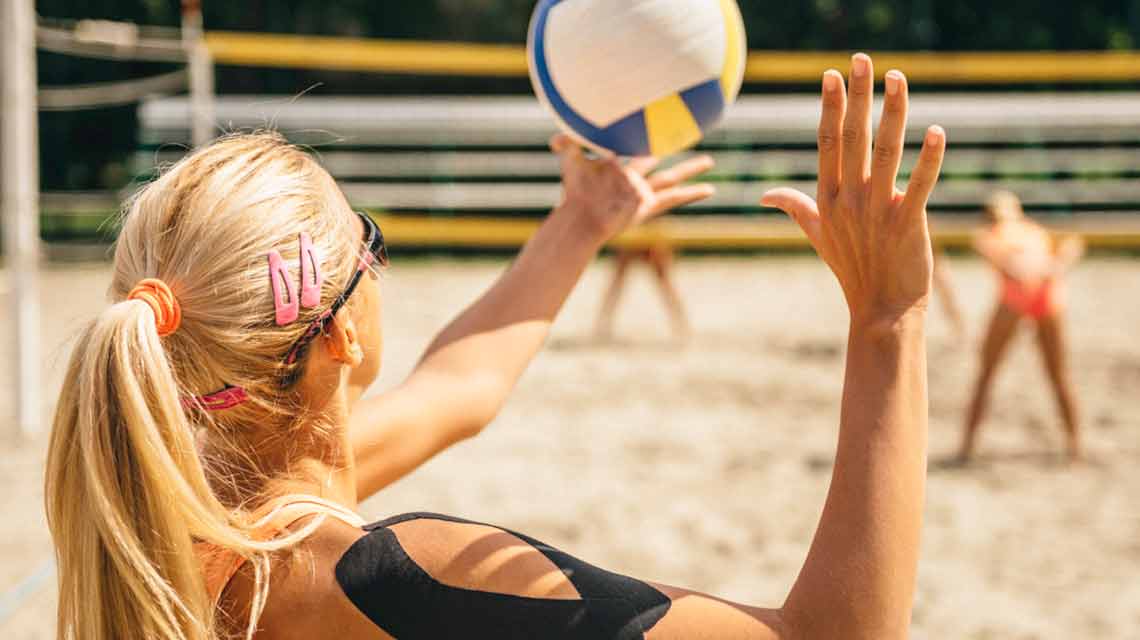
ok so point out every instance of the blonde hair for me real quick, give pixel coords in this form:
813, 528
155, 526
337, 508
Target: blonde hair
127, 493
1003, 205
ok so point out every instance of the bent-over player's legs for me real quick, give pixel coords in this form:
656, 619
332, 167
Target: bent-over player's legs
623, 259
1002, 327
661, 259
1053, 343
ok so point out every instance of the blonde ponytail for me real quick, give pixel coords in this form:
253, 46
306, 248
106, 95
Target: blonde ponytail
127, 495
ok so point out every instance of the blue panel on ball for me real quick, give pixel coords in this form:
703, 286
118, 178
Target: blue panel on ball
626, 137
706, 103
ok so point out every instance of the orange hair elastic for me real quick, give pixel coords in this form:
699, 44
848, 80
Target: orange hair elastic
161, 300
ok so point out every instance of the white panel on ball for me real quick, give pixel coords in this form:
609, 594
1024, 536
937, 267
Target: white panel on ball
616, 56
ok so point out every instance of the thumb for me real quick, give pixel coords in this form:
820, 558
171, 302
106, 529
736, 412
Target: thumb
565, 147
799, 206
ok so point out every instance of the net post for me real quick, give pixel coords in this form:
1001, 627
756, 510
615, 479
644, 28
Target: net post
19, 182
201, 69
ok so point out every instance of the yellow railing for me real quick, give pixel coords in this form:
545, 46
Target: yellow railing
358, 54
493, 60
1045, 67
707, 233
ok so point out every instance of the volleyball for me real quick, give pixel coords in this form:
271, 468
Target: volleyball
637, 77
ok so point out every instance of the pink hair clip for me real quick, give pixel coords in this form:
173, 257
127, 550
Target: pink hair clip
286, 300
311, 276
225, 399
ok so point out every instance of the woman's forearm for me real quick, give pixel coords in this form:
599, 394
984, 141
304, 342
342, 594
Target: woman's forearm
858, 580
496, 338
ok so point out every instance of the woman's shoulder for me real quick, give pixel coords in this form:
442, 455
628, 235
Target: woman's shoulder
1014, 235
304, 599
1029, 231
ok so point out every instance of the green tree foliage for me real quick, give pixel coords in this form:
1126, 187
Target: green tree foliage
87, 149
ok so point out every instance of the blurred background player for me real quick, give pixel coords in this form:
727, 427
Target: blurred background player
659, 257
1030, 263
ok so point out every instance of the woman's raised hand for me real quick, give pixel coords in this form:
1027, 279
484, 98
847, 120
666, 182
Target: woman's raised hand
612, 197
873, 236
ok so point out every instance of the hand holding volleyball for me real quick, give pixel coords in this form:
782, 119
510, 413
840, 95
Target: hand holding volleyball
873, 236
612, 196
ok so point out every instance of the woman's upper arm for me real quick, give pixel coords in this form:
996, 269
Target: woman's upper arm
305, 601
431, 576
397, 431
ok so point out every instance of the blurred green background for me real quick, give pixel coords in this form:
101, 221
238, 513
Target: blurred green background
89, 150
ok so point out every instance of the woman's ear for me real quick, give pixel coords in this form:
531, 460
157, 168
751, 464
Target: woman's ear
342, 340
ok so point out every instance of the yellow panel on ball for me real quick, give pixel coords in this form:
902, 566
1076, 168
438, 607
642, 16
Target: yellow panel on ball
735, 50
670, 126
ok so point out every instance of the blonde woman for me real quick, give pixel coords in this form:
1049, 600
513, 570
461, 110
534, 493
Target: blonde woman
1030, 264
211, 442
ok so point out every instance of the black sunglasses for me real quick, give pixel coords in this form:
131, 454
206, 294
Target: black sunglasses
376, 253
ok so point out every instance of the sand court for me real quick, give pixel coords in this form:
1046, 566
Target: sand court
706, 464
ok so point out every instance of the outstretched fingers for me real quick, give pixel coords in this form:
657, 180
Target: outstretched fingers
889, 141
680, 172
675, 197
926, 170
799, 207
642, 165
857, 124
834, 106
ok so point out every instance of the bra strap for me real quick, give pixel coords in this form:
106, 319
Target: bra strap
219, 565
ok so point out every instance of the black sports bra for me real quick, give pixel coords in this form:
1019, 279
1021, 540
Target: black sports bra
400, 597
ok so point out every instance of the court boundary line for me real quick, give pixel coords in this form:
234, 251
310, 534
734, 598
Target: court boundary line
13, 600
